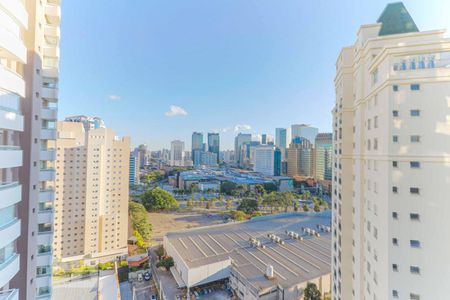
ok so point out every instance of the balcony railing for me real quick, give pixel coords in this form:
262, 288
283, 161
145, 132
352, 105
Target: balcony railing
421, 62
9, 294
8, 185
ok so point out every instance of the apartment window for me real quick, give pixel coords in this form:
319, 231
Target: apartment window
375, 76
414, 164
368, 124
395, 241
375, 144
415, 139
395, 267
415, 87
395, 164
395, 113
395, 88
395, 138
375, 122
414, 112
414, 270
414, 243
395, 189
395, 293
414, 216
395, 215
414, 190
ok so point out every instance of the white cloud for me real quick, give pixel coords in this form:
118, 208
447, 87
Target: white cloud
242, 127
114, 97
176, 111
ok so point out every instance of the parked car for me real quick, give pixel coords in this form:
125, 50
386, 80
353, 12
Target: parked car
147, 276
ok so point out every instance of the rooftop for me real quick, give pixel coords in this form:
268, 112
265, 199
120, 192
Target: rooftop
395, 19
294, 261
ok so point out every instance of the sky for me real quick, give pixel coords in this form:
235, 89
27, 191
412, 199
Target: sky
157, 70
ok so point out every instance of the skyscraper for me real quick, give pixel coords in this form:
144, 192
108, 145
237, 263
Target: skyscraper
197, 147
324, 148
177, 153
281, 138
300, 158
214, 144
141, 153
239, 141
92, 178
264, 139
304, 131
134, 170
391, 162
264, 160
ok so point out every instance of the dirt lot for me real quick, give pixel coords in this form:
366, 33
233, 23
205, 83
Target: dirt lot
166, 222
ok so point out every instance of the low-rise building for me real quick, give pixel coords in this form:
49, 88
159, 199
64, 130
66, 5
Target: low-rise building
271, 257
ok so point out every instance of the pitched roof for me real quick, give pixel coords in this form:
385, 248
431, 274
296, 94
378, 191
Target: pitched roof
395, 19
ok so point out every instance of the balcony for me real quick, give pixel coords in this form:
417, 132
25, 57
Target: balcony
9, 295
10, 193
48, 154
51, 72
52, 31
9, 233
10, 119
53, 14
11, 81
49, 113
16, 8
46, 195
45, 216
10, 156
51, 51
48, 134
8, 269
47, 175
12, 44
50, 94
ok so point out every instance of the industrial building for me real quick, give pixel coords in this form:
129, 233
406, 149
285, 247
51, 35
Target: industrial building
270, 257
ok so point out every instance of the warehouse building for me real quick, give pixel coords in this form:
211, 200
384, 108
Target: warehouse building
271, 257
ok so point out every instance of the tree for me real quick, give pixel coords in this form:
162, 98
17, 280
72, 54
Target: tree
159, 252
306, 195
140, 240
287, 200
311, 292
270, 187
270, 200
248, 205
227, 187
158, 199
295, 205
260, 190
139, 220
166, 263
305, 206
316, 207
190, 203
239, 216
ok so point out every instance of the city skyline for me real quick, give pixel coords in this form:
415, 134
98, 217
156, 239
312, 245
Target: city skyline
174, 82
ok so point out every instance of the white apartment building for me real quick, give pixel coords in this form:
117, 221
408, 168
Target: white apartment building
91, 205
29, 55
177, 153
264, 157
391, 164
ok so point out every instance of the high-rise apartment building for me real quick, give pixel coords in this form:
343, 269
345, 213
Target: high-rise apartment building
87, 121
391, 162
323, 156
304, 131
29, 56
214, 144
91, 206
239, 142
300, 158
134, 170
177, 153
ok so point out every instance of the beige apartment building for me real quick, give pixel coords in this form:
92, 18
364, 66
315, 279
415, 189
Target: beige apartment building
91, 205
391, 165
29, 56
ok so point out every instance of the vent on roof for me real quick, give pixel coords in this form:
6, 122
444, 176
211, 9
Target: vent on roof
269, 272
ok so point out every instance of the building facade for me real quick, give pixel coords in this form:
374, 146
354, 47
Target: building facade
92, 177
264, 160
197, 147
391, 162
300, 158
133, 178
323, 156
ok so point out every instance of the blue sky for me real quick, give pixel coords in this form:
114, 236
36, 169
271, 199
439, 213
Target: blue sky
221, 64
